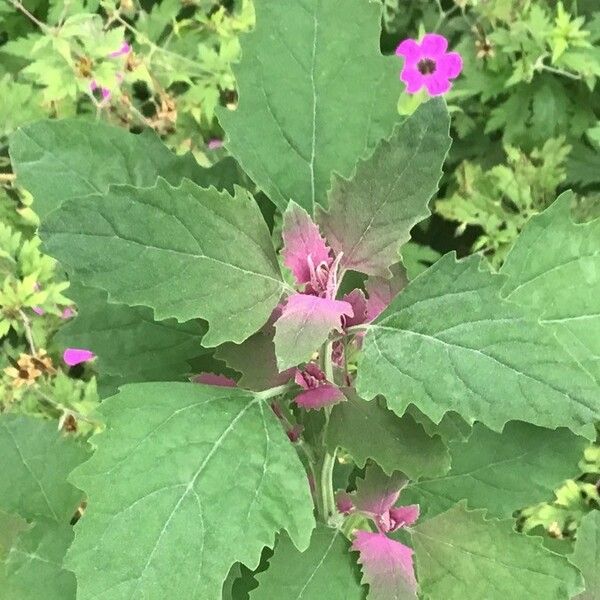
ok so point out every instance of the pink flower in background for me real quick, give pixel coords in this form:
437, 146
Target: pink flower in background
76, 356
104, 92
427, 64
38, 311
214, 144
67, 313
122, 51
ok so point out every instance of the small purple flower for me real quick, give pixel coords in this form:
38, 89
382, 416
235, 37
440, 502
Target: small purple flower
214, 379
76, 356
427, 64
67, 313
104, 92
214, 144
38, 311
122, 51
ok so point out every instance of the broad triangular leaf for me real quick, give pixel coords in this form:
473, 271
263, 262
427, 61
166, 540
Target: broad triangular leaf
370, 430
370, 215
200, 477
586, 556
315, 95
448, 342
325, 570
501, 472
129, 344
36, 460
185, 251
32, 568
554, 270
59, 160
459, 554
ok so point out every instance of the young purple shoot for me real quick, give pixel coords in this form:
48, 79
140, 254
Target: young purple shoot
318, 392
428, 65
76, 356
387, 564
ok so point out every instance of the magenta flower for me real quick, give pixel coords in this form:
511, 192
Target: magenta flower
38, 310
318, 392
76, 356
122, 51
427, 64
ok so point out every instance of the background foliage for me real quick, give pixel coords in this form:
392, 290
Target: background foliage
526, 126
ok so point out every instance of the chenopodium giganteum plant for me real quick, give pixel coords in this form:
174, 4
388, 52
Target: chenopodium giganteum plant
473, 392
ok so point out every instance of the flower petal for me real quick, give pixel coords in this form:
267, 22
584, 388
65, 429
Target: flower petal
301, 239
325, 395
437, 84
410, 50
413, 79
450, 65
433, 45
387, 566
214, 379
76, 356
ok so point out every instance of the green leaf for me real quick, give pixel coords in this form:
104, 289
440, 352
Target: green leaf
129, 344
371, 214
33, 569
184, 466
324, 570
186, 252
369, 430
315, 95
10, 528
586, 556
501, 472
554, 270
459, 554
59, 160
37, 460
448, 342
255, 359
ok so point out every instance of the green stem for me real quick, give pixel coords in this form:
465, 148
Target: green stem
325, 484
275, 391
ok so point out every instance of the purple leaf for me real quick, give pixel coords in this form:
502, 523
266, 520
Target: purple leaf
387, 567
304, 325
377, 493
214, 379
382, 291
76, 356
356, 299
303, 245
325, 395
402, 516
